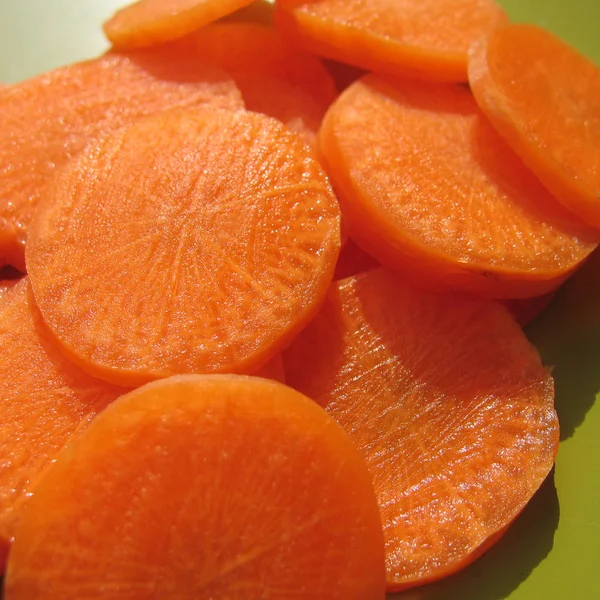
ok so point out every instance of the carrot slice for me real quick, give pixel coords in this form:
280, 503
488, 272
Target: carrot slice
205, 250
427, 39
215, 486
544, 98
47, 120
429, 188
45, 400
274, 79
151, 22
448, 402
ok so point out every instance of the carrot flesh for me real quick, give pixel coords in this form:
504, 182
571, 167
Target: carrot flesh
458, 432
424, 39
215, 486
206, 250
151, 22
543, 97
45, 401
47, 120
427, 187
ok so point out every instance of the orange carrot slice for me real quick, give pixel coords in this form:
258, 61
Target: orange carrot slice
275, 80
544, 98
205, 250
427, 39
458, 431
45, 401
151, 22
47, 120
214, 486
428, 187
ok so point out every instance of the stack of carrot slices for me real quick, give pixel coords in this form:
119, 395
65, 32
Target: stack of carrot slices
261, 337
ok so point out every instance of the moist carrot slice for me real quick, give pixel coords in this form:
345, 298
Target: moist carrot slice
255, 49
274, 79
543, 97
214, 486
352, 261
47, 120
205, 250
425, 39
45, 401
151, 22
449, 404
429, 188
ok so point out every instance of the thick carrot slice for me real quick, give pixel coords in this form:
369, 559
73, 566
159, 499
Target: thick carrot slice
45, 400
448, 402
47, 120
352, 261
544, 98
274, 79
215, 486
255, 49
429, 188
205, 250
425, 39
150, 22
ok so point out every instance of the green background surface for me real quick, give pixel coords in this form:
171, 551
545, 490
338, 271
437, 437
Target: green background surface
553, 549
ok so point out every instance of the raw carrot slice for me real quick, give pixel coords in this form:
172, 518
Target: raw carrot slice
45, 400
47, 120
275, 80
151, 22
428, 187
450, 405
352, 261
543, 97
214, 486
192, 241
254, 49
425, 39
525, 310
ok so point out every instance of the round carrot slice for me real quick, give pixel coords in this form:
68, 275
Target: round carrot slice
214, 486
150, 22
428, 39
543, 97
45, 401
47, 120
193, 241
428, 187
448, 402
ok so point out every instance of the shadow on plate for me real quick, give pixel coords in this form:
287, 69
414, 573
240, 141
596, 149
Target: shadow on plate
567, 336
509, 562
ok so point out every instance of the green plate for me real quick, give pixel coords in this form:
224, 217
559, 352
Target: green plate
552, 551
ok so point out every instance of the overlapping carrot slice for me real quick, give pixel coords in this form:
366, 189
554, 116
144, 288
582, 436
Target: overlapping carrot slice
427, 39
45, 400
429, 188
448, 402
273, 78
47, 120
544, 99
192, 241
150, 22
203, 487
